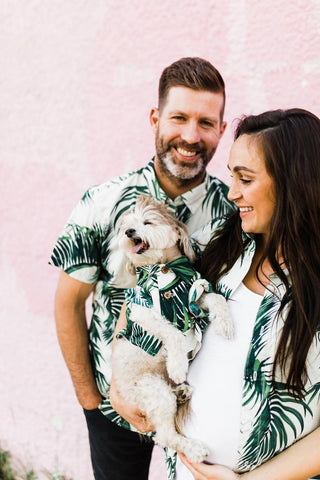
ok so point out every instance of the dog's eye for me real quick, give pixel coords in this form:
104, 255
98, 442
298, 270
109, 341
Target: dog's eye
147, 223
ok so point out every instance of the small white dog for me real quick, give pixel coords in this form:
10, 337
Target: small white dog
165, 321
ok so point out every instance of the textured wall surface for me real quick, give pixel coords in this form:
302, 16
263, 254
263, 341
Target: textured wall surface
77, 81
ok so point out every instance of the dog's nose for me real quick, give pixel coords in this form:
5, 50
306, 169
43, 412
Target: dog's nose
130, 232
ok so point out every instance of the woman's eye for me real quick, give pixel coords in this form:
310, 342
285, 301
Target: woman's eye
244, 180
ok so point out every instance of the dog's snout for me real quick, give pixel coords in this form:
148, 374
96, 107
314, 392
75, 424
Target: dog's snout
130, 232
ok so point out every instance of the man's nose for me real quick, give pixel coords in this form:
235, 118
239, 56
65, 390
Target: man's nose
191, 133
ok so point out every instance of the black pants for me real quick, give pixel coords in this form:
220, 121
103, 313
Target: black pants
117, 453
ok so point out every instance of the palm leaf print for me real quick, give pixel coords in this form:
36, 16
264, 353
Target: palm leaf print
88, 195
279, 416
102, 383
279, 422
224, 290
115, 302
147, 276
216, 198
106, 409
267, 310
171, 460
183, 213
128, 198
77, 248
313, 392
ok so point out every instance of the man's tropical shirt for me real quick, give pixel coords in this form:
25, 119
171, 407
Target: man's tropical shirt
172, 289
272, 419
87, 250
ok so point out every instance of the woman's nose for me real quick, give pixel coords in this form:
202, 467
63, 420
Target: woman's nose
234, 193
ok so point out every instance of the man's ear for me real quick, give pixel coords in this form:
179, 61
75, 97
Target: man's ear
154, 119
222, 128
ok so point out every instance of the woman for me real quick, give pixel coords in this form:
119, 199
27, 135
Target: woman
265, 383
256, 398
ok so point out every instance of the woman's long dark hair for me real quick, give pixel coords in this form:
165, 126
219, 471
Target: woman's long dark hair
290, 142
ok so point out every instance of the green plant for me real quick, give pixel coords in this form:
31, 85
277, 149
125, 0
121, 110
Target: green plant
7, 472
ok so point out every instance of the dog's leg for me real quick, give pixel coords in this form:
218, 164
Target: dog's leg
219, 313
160, 404
173, 340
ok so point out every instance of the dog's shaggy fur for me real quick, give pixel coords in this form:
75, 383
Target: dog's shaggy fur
150, 235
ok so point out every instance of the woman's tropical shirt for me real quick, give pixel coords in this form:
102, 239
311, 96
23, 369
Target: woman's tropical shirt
88, 250
272, 419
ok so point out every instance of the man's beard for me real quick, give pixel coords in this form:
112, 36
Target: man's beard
181, 172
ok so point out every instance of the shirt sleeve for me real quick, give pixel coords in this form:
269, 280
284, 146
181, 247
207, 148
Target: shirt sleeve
78, 248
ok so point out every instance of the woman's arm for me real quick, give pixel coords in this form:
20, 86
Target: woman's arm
301, 461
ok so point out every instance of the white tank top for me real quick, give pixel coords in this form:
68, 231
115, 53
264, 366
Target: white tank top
217, 377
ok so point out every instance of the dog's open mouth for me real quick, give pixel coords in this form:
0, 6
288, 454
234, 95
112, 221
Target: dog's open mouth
139, 246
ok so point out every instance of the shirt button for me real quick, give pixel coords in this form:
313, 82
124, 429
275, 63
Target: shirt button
165, 269
167, 295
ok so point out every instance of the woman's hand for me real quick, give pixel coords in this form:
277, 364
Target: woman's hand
202, 471
129, 412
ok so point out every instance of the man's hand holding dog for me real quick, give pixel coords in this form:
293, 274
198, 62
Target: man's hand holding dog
129, 412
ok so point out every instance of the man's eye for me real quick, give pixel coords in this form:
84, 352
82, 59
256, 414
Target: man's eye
178, 117
244, 180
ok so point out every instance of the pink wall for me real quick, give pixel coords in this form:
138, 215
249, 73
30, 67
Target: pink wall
78, 79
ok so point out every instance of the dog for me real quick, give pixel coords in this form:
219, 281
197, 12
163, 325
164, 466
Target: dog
150, 370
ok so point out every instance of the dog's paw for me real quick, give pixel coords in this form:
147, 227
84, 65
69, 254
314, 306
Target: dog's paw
224, 327
177, 368
183, 393
195, 450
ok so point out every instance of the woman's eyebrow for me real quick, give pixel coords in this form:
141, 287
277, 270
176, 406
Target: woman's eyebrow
240, 167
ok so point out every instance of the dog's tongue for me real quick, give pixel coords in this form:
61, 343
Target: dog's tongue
138, 247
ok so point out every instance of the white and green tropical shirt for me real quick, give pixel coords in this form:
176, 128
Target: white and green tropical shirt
272, 419
87, 251
172, 289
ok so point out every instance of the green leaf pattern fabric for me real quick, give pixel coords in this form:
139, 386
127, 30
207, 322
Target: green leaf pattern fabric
173, 290
87, 249
272, 419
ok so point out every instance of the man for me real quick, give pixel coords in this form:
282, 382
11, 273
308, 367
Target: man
188, 125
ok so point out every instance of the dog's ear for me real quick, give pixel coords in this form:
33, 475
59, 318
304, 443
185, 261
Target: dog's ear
131, 269
184, 243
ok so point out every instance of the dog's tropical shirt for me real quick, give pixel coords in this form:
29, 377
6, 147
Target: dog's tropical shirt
87, 252
272, 418
173, 289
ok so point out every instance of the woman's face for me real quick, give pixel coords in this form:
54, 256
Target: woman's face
252, 188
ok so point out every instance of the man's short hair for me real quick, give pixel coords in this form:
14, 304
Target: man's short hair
191, 72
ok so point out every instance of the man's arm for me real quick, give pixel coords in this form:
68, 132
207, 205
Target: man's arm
72, 334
